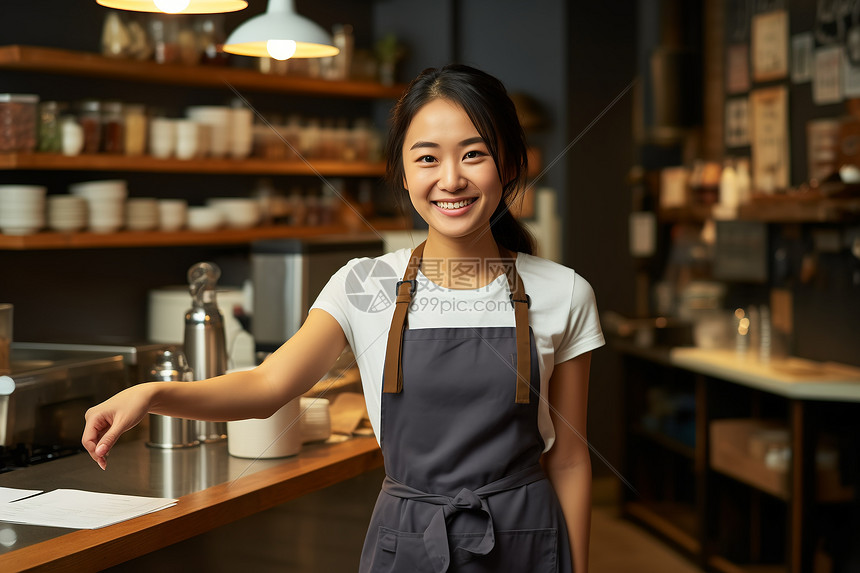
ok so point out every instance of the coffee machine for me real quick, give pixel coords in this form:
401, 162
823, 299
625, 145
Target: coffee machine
288, 275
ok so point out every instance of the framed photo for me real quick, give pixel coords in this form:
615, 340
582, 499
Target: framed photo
769, 139
827, 80
738, 69
737, 133
770, 46
802, 54
822, 139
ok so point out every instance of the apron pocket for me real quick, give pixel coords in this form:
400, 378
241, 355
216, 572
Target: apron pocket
532, 550
400, 551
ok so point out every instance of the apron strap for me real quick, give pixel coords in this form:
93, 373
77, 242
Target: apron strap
392, 375
393, 369
521, 302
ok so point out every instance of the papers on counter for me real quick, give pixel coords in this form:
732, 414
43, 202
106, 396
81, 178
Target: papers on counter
8, 494
73, 508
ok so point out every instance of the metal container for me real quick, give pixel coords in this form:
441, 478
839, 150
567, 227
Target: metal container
167, 432
288, 275
205, 344
53, 387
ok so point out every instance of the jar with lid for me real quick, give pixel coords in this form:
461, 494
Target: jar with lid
113, 126
135, 129
50, 133
18, 122
90, 119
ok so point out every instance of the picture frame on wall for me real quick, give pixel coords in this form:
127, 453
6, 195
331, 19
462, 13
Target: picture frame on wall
769, 139
827, 80
770, 46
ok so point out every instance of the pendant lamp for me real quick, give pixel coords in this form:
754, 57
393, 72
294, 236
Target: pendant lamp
176, 6
280, 33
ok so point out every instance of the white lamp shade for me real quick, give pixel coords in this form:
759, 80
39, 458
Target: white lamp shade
194, 6
280, 22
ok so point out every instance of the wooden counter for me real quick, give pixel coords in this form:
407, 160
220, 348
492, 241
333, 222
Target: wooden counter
246, 487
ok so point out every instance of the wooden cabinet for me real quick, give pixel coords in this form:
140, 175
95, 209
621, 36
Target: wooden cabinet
695, 476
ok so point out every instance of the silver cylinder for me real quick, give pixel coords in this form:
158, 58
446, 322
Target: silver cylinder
167, 432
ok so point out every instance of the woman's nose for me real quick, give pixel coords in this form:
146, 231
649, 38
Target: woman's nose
451, 179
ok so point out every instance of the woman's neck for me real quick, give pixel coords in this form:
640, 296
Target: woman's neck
460, 262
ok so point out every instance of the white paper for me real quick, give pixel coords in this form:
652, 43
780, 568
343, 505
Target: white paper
78, 509
8, 494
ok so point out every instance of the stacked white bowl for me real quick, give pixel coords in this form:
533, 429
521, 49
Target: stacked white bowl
105, 202
172, 214
67, 213
141, 214
22, 209
238, 212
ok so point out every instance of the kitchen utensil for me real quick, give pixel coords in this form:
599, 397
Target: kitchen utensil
167, 432
205, 344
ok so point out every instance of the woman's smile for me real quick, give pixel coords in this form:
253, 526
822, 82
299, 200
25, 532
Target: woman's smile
449, 172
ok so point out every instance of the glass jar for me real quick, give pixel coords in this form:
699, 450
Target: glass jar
90, 119
50, 135
210, 33
113, 126
18, 122
135, 129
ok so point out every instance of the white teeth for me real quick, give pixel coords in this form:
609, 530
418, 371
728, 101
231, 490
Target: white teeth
454, 205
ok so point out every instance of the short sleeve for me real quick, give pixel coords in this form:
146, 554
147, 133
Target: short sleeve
583, 332
332, 299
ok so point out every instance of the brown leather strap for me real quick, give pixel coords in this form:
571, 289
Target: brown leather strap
393, 371
520, 301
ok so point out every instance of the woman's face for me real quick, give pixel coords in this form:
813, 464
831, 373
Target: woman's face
449, 172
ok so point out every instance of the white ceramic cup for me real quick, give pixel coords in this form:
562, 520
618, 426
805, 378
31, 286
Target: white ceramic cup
187, 138
162, 137
277, 436
172, 214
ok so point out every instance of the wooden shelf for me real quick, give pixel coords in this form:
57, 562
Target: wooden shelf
676, 522
807, 208
723, 565
801, 208
123, 239
55, 61
252, 166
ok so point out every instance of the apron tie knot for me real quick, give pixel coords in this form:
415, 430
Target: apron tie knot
436, 534
466, 499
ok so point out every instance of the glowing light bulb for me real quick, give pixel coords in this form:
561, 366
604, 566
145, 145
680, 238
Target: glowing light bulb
281, 49
172, 6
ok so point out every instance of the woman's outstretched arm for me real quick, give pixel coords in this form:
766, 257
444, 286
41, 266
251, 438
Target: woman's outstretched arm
289, 372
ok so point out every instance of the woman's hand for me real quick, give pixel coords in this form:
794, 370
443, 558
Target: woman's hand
106, 422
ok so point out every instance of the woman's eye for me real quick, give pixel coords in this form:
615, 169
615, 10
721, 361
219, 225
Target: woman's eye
426, 159
474, 154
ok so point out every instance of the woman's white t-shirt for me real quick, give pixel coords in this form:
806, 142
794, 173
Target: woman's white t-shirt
563, 314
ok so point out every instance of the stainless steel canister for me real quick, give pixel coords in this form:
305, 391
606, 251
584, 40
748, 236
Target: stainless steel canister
205, 344
167, 432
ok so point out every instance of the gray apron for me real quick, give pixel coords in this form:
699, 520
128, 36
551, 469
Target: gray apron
464, 491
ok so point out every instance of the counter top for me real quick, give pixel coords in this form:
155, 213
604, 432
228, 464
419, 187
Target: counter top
791, 377
213, 489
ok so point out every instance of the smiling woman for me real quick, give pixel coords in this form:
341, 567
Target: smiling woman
484, 375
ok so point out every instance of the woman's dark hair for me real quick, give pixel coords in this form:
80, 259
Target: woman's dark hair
486, 102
